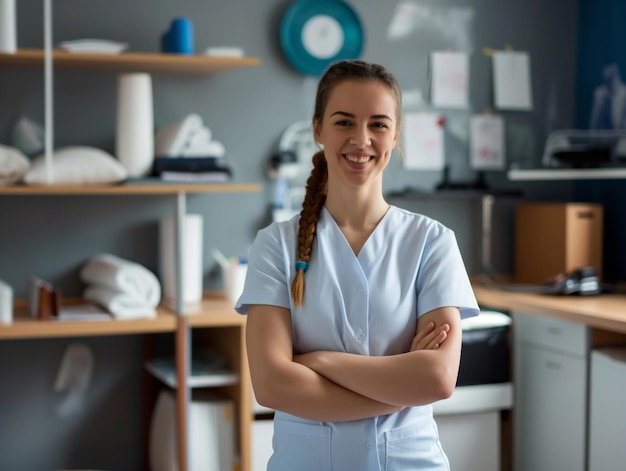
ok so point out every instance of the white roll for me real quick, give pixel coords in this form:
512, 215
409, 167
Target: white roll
134, 139
234, 281
6, 303
192, 258
8, 27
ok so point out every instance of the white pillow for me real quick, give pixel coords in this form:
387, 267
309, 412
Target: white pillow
77, 165
13, 165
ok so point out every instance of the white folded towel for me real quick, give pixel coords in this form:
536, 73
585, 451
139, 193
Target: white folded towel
120, 304
205, 149
13, 165
199, 137
124, 276
171, 140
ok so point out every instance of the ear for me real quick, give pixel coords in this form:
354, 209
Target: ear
316, 130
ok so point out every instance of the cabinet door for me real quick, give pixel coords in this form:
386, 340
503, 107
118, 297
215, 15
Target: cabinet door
549, 412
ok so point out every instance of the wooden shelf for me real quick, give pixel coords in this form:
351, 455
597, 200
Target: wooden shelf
131, 61
215, 311
152, 186
201, 376
25, 327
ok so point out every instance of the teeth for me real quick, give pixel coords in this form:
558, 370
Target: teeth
358, 159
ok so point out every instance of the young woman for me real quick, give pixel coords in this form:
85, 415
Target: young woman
354, 307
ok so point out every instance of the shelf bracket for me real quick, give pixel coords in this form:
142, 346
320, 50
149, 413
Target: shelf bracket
183, 338
48, 92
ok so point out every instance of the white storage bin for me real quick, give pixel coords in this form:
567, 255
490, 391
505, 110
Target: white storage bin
211, 433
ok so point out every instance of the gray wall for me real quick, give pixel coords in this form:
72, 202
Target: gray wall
247, 110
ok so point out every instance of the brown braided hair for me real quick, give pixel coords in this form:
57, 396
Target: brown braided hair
316, 185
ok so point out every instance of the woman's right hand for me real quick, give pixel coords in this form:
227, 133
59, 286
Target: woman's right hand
430, 338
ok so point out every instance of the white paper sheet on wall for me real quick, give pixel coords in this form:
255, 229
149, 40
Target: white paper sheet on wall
73, 378
511, 79
449, 79
487, 142
423, 141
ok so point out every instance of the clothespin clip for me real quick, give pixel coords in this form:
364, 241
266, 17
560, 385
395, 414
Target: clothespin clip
490, 51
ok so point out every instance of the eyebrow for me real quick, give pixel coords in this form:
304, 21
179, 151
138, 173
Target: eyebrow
351, 115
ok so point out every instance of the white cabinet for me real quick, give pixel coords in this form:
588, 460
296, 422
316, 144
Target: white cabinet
550, 394
469, 424
262, 433
607, 410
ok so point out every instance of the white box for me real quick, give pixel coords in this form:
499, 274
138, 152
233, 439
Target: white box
211, 434
607, 418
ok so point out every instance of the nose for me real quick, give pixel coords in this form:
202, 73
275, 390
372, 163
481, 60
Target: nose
361, 137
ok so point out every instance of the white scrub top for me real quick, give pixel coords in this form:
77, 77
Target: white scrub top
369, 305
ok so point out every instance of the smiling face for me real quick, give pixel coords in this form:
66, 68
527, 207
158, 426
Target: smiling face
358, 130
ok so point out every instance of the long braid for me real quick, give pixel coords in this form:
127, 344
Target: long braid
316, 187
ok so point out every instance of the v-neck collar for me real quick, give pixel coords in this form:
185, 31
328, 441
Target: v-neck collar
374, 243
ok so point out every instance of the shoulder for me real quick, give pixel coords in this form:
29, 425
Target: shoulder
277, 234
280, 229
416, 222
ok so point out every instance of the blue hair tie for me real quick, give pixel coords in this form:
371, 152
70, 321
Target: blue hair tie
300, 265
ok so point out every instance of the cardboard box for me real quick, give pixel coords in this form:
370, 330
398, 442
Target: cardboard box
556, 238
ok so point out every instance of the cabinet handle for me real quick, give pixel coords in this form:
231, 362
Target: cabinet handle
553, 330
553, 365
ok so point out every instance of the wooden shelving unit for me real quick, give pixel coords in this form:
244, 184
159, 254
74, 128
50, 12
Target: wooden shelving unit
140, 61
224, 329
219, 325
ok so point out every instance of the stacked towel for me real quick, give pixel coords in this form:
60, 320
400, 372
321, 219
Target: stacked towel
126, 289
187, 138
13, 165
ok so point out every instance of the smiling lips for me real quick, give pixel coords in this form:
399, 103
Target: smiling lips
358, 158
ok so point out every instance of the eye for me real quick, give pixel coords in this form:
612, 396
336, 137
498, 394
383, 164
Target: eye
380, 125
343, 122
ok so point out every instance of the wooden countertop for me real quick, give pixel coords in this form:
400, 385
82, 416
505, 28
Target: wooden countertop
605, 311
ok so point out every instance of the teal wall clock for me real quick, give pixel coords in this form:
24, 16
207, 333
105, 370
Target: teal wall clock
315, 33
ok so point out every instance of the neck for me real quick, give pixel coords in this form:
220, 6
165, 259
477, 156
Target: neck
357, 212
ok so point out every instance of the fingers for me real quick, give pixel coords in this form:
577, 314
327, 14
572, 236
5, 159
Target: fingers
418, 341
430, 338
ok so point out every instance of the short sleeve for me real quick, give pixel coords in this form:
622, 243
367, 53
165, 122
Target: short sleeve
266, 279
442, 279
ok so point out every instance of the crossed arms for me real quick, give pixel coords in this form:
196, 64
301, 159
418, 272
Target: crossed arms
337, 386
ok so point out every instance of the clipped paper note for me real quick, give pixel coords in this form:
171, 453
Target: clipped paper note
487, 142
404, 21
511, 79
423, 141
73, 378
449, 79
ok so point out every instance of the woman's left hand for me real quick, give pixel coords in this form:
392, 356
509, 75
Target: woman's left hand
430, 338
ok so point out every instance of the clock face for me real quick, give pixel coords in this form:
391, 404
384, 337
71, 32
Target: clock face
322, 36
315, 33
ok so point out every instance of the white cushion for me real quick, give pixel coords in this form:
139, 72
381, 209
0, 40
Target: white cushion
13, 165
77, 165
